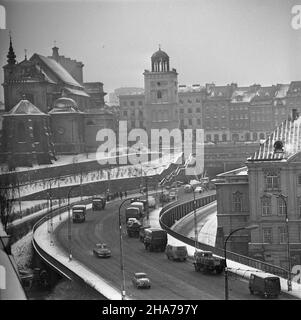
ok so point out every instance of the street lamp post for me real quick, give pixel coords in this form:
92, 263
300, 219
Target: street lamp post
195, 219
121, 251
69, 222
251, 227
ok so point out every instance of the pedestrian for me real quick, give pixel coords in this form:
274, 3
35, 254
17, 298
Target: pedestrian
120, 194
125, 194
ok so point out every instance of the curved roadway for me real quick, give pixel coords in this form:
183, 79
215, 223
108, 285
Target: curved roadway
170, 280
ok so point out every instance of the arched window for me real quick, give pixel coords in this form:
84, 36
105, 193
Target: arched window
255, 136
247, 136
21, 136
224, 137
36, 132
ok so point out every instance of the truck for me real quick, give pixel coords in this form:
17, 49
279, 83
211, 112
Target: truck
140, 206
206, 262
133, 227
132, 212
155, 239
267, 285
79, 213
98, 203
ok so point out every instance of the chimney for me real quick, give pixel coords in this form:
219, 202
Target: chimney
55, 53
295, 114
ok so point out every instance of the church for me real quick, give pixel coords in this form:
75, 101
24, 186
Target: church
49, 109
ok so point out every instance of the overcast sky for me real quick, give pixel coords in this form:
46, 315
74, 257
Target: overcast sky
221, 41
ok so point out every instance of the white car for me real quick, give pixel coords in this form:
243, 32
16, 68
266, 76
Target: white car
140, 280
199, 189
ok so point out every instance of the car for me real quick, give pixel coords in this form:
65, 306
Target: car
199, 189
141, 280
176, 252
101, 250
187, 188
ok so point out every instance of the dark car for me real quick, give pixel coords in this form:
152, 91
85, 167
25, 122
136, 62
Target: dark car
101, 250
140, 280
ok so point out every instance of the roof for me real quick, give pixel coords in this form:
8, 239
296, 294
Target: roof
25, 107
243, 94
282, 90
190, 88
264, 94
58, 70
77, 92
220, 92
289, 133
160, 55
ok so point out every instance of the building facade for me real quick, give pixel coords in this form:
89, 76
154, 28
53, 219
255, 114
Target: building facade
268, 193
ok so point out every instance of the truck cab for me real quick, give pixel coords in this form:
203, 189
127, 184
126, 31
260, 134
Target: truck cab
155, 239
79, 213
132, 212
98, 203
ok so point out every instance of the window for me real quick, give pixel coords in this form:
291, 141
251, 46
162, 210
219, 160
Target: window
197, 100
181, 101
272, 181
208, 137
181, 110
132, 124
299, 179
198, 121
281, 206
266, 206
189, 101
299, 205
159, 94
282, 235
140, 113
247, 136
125, 113
21, 132
36, 132
140, 103
190, 122
267, 235
189, 110
255, 136
216, 137
198, 110
237, 201
224, 137
132, 103
261, 136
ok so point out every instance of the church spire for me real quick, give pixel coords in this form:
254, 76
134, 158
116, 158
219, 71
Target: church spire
11, 57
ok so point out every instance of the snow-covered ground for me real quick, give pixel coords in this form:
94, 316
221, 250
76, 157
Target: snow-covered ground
128, 171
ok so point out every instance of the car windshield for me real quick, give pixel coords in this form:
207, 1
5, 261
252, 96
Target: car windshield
101, 246
140, 275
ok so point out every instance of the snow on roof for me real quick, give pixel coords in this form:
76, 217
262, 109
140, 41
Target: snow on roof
289, 133
282, 90
59, 71
25, 107
243, 94
190, 88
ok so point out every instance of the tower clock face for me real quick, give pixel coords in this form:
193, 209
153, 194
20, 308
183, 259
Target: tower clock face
60, 130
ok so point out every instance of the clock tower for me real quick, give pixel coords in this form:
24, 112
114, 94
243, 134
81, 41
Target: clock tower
161, 93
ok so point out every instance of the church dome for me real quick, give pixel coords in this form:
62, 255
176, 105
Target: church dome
160, 61
64, 104
158, 55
